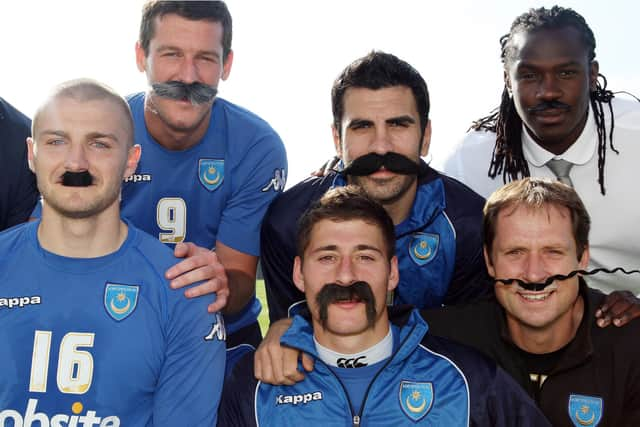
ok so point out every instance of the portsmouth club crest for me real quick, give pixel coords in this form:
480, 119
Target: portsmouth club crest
211, 173
423, 247
120, 300
585, 410
416, 399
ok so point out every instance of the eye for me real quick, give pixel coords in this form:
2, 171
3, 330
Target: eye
565, 74
327, 258
100, 144
365, 257
55, 141
527, 76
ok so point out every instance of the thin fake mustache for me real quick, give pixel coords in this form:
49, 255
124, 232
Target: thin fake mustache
539, 286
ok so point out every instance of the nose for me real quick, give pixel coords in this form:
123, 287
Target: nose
381, 143
534, 269
76, 159
345, 274
549, 89
188, 72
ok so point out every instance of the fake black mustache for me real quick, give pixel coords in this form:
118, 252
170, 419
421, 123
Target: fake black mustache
77, 179
333, 292
532, 286
372, 162
196, 92
548, 105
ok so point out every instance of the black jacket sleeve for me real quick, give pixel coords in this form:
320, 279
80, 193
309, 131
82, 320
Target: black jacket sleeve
237, 408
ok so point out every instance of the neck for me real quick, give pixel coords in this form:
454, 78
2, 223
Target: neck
550, 338
355, 343
169, 137
92, 237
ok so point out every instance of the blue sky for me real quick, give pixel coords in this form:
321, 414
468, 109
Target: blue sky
287, 54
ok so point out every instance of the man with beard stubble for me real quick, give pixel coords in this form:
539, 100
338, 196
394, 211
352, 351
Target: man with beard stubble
209, 168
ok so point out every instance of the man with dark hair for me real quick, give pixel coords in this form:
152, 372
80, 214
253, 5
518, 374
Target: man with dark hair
557, 119
18, 192
369, 371
209, 168
93, 335
381, 128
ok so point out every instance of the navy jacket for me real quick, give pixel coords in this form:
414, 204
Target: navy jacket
455, 386
18, 191
439, 247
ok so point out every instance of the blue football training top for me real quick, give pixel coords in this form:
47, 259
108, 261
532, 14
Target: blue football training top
217, 190
103, 341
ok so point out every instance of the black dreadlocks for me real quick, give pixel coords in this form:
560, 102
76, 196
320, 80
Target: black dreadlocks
508, 158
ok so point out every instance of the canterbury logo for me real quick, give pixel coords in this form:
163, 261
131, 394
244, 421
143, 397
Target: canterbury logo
357, 362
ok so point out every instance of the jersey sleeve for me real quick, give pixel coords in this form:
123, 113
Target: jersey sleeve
256, 180
190, 381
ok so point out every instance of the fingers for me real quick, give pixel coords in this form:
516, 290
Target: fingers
307, 362
619, 308
273, 363
222, 298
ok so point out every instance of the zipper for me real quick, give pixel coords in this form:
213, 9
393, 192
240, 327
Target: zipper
356, 421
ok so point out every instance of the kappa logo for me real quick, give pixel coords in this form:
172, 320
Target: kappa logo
297, 399
278, 181
356, 362
20, 302
138, 177
218, 331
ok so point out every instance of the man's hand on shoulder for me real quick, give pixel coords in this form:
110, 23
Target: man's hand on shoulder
619, 308
278, 365
199, 264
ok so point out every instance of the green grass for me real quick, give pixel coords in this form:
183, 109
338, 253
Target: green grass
263, 319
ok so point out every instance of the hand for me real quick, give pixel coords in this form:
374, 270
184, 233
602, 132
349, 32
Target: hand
619, 308
199, 264
326, 168
278, 365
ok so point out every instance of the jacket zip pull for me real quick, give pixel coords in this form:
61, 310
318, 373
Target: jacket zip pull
356, 421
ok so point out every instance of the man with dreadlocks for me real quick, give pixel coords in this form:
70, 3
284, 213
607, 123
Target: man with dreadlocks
557, 119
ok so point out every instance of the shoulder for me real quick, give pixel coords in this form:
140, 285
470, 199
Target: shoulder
151, 252
626, 113
15, 127
12, 238
135, 100
460, 200
242, 120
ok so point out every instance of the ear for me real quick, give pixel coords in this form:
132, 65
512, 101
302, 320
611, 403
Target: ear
487, 261
298, 277
584, 259
31, 153
426, 140
226, 67
336, 141
394, 274
133, 157
141, 59
594, 69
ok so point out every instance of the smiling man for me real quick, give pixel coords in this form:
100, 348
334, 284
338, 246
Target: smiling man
540, 329
557, 119
209, 168
93, 335
369, 371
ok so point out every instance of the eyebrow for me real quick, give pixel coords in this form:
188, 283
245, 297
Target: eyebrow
90, 135
361, 247
399, 119
570, 63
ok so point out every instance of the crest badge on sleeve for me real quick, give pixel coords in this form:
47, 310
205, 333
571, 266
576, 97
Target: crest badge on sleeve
120, 300
585, 410
423, 247
211, 173
416, 399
